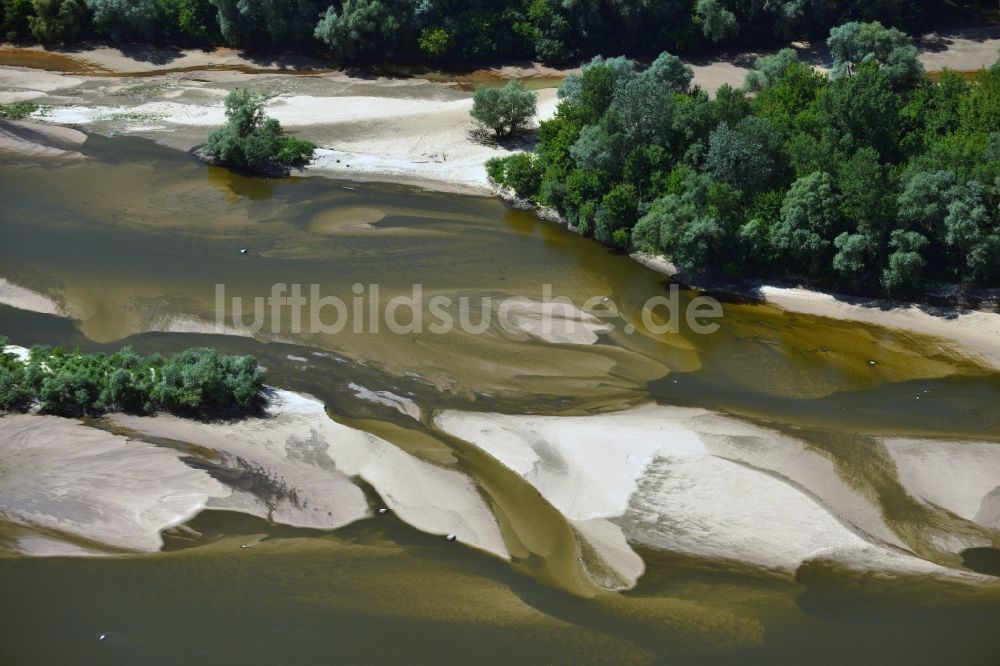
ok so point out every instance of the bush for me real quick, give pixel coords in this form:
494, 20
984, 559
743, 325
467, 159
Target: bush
250, 139
504, 111
294, 152
17, 110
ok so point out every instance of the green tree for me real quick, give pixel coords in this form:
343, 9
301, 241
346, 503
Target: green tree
892, 50
250, 139
504, 111
57, 20
361, 28
810, 219
435, 42
717, 22
905, 267
861, 111
617, 212
747, 156
770, 69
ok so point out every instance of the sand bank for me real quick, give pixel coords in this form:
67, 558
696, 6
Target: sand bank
960, 477
295, 466
61, 476
34, 139
690, 481
977, 333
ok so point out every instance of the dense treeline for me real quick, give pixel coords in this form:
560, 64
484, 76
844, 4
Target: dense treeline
455, 30
876, 174
71, 383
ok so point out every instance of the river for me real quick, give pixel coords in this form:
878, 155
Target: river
133, 241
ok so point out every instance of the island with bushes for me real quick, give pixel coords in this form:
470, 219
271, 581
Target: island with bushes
251, 141
70, 383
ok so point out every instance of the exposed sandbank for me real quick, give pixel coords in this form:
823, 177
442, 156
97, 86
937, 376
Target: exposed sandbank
690, 481
61, 476
35, 139
303, 462
960, 477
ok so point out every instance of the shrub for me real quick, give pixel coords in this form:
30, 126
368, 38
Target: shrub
504, 111
17, 110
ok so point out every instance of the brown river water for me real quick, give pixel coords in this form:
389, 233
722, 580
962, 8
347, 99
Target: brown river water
133, 241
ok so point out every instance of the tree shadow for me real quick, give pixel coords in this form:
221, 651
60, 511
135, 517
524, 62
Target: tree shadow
155, 55
525, 140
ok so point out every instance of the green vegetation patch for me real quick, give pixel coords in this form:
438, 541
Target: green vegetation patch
876, 176
251, 140
18, 110
195, 381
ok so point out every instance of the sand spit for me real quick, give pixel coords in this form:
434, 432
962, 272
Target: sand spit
552, 321
690, 481
960, 477
296, 465
32, 139
404, 406
977, 333
58, 475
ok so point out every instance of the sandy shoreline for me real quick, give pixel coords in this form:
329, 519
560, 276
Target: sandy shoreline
974, 334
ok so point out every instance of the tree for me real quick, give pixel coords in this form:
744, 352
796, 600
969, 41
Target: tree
521, 172
853, 44
768, 70
617, 212
124, 20
504, 111
906, 264
260, 23
250, 139
435, 42
810, 219
56, 20
717, 22
973, 235
854, 252
861, 111
670, 72
361, 27
747, 156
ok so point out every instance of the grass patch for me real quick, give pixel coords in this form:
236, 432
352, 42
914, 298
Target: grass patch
17, 110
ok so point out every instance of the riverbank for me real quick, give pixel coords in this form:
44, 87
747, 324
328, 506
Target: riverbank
368, 126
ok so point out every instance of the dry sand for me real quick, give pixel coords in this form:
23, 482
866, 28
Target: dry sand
60, 476
34, 139
301, 463
960, 477
690, 481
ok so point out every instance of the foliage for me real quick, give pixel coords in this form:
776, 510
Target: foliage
520, 172
250, 139
557, 31
877, 177
195, 381
17, 110
853, 44
504, 111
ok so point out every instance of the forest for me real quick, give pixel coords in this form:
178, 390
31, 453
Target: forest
455, 31
874, 176
193, 382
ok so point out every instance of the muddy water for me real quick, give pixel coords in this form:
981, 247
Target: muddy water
134, 242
